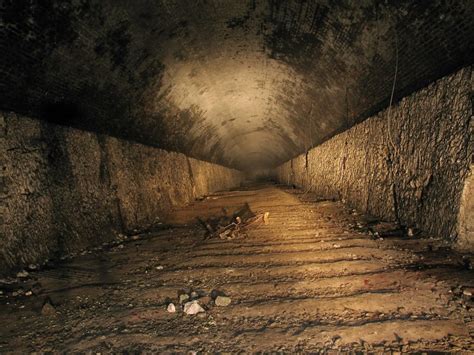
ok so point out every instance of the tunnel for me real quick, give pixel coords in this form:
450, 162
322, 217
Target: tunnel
236, 176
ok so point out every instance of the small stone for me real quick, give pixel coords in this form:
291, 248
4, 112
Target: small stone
205, 300
159, 267
22, 274
410, 232
48, 310
171, 308
222, 301
266, 215
194, 295
193, 307
468, 292
28, 293
183, 297
135, 237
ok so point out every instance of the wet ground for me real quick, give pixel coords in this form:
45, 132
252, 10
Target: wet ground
318, 276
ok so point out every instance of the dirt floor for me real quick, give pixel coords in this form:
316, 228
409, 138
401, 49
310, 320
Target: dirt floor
316, 277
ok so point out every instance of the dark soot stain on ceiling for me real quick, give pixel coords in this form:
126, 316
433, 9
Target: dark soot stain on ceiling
247, 84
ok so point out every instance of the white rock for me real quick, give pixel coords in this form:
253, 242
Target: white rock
22, 274
171, 308
266, 215
193, 307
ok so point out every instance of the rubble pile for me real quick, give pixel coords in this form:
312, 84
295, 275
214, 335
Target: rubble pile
195, 302
235, 225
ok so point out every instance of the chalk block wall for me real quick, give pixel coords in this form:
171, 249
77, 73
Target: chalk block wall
64, 189
409, 162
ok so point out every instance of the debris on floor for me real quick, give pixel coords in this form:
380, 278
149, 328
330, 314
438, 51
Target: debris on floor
193, 307
48, 309
467, 262
222, 301
183, 298
380, 229
308, 282
191, 299
171, 308
22, 274
231, 227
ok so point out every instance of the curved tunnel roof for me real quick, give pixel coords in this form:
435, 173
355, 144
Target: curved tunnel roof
247, 84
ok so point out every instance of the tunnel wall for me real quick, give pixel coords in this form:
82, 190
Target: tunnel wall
63, 189
409, 167
466, 214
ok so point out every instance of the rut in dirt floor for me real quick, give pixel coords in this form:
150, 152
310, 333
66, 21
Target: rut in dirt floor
313, 278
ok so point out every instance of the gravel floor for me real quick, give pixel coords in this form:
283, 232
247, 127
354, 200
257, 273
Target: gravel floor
317, 277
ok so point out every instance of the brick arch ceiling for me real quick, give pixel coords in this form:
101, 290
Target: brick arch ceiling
247, 83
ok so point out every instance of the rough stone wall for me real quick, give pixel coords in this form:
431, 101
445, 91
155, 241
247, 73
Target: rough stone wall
466, 214
407, 163
211, 177
63, 189
149, 181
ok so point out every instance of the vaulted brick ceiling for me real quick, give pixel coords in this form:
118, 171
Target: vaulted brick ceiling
245, 83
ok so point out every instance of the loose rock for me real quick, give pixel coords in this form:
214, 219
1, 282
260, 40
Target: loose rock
193, 307
22, 274
468, 292
266, 215
222, 301
171, 308
206, 300
48, 310
183, 297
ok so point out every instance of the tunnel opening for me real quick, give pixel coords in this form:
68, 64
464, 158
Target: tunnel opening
236, 176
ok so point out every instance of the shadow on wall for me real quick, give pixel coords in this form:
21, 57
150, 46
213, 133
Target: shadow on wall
63, 112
